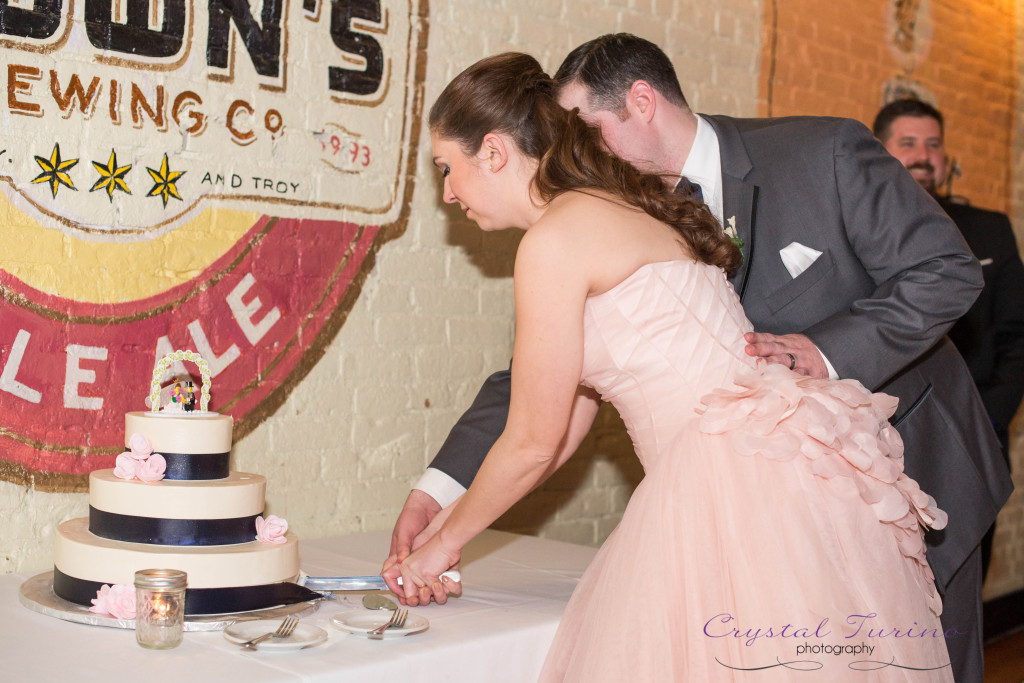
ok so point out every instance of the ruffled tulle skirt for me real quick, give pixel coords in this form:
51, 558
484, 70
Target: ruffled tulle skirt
778, 540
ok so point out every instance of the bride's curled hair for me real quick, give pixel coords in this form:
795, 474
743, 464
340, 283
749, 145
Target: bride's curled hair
509, 93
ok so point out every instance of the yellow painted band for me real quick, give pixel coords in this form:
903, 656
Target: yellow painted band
106, 272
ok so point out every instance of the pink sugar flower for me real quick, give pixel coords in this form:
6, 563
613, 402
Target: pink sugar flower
152, 468
99, 603
126, 466
117, 601
140, 446
271, 529
121, 601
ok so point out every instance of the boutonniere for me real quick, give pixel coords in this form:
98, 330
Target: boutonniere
730, 231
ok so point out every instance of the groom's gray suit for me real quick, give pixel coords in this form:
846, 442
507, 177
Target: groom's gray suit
894, 274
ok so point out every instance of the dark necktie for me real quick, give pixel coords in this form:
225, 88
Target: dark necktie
688, 188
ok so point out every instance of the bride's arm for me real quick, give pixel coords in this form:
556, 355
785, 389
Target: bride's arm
551, 287
584, 409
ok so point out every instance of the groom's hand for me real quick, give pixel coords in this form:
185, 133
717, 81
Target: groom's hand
795, 351
417, 513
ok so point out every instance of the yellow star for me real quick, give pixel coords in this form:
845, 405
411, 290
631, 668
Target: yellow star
111, 177
165, 182
55, 171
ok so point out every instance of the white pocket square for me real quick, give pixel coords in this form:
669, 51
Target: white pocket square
797, 258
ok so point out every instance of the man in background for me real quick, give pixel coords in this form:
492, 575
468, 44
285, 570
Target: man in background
990, 336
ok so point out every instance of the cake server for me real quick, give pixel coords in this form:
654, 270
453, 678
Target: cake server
357, 583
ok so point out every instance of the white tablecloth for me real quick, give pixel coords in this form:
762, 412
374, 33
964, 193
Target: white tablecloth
515, 589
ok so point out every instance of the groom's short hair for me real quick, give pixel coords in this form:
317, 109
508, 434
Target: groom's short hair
609, 65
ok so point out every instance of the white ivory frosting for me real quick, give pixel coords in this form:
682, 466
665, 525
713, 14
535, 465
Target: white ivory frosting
239, 495
181, 432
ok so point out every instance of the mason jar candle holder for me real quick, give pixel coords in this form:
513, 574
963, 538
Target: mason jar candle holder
160, 608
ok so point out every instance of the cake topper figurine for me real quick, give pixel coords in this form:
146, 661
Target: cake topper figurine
176, 395
187, 397
190, 397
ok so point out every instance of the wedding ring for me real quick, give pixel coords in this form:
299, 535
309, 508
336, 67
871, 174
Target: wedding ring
792, 361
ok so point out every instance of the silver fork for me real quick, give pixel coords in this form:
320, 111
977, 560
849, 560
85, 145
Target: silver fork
397, 620
283, 631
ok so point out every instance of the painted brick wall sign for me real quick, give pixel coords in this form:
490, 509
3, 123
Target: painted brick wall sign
214, 176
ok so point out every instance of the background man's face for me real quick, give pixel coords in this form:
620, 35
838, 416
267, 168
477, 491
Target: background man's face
917, 142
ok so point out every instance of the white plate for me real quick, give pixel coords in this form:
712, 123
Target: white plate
304, 635
361, 621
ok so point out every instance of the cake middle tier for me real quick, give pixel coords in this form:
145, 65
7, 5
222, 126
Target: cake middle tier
176, 513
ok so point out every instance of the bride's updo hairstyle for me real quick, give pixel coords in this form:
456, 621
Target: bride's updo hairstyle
509, 93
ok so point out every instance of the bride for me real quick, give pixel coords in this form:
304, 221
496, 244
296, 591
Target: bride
774, 530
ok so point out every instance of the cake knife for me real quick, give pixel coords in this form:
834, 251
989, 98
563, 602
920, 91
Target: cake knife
357, 583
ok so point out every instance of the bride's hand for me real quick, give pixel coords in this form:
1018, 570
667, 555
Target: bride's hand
420, 574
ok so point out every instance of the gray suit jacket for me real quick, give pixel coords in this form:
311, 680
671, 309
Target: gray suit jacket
893, 276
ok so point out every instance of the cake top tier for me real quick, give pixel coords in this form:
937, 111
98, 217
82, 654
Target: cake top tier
195, 434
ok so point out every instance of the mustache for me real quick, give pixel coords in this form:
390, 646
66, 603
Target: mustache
921, 166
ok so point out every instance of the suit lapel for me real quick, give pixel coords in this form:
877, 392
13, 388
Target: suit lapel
739, 195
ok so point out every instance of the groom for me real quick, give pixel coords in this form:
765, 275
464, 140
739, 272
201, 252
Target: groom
850, 270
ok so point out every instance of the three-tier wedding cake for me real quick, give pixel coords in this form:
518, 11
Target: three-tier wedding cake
173, 503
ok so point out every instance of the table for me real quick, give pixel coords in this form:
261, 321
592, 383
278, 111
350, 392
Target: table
515, 589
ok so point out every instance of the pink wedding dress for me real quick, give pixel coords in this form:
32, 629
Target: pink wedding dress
774, 529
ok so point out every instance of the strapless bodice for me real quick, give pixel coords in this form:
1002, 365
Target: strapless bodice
658, 341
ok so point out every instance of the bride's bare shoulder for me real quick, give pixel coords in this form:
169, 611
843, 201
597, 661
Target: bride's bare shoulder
572, 223
588, 227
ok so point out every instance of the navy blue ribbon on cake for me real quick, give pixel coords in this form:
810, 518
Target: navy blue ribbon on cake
199, 600
159, 531
193, 466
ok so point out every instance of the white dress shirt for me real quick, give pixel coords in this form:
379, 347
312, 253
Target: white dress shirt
703, 166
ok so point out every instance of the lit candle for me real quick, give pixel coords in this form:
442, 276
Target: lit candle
160, 608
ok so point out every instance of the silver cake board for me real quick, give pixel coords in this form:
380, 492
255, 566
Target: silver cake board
37, 594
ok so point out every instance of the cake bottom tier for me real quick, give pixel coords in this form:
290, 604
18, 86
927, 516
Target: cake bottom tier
221, 579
